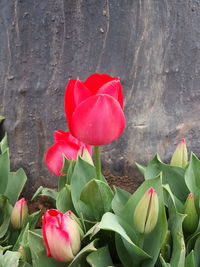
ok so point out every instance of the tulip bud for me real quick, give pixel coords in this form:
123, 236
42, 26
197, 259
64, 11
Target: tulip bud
190, 222
146, 212
85, 155
61, 235
180, 156
19, 214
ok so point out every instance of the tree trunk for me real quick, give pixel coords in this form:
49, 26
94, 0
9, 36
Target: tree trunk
153, 46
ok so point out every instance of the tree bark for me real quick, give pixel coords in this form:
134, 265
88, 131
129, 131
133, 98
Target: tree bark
153, 46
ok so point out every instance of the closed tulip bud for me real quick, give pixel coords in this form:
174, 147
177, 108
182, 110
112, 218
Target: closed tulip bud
191, 220
146, 212
61, 235
85, 155
19, 214
180, 156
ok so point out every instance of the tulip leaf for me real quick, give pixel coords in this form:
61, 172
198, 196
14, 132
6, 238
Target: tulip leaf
120, 198
127, 254
175, 227
114, 223
9, 259
5, 212
4, 170
140, 167
196, 252
157, 235
4, 143
43, 191
192, 174
97, 196
82, 174
16, 182
100, 258
190, 260
33, 219
64, 200
174, 176
177, 203
38, 252
80, 258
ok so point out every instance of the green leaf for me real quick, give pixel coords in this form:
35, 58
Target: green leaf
33, 219
82, 174
175, 227
120, 198
4, 144
114, 223
16, 182
5, 212
4, 170
158, 234
140, 167
100, 258
174, 176
169, 195
127, 254
9, 259
196, 252
189, 260
64, 200
45, 192
80, 259
192, 174
97, 196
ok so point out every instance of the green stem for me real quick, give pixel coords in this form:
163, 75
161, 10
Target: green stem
97, 162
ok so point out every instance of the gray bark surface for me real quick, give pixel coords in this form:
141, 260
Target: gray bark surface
152, 45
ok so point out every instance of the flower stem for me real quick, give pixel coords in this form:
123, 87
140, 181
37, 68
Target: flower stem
97, 162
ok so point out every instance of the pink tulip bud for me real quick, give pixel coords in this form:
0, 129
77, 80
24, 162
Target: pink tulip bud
180, 156
19, 214
146, 212
61, 235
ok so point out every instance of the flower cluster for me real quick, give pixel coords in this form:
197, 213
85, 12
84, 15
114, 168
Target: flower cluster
94, 113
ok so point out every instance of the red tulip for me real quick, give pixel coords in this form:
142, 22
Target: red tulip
64, 144
61, 235
94, 109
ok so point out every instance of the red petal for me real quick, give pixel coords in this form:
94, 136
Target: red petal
69, 103
114, 89
61, 136
95, 81
54, 155
98, 120
81, 92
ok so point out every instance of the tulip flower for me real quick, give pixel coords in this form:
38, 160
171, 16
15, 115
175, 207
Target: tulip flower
146, 212
65, 145
19, 214
190, 222
180, 156
94, 109
61, 235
